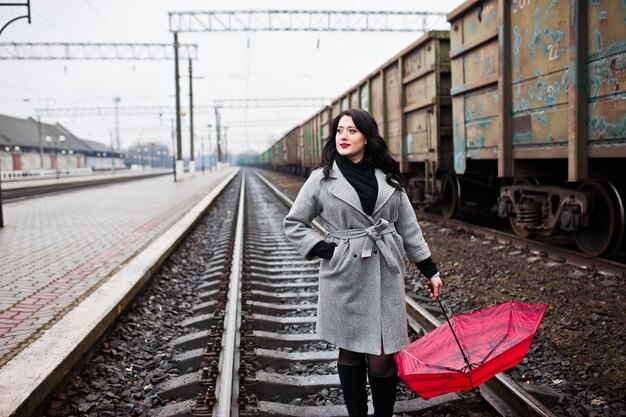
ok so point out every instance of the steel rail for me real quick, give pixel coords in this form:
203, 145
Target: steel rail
227, 383
569, 256
507, 397
286, 200
16, 194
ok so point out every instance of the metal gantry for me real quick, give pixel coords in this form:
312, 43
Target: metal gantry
163, 110
238, 103
306, 20
94, 51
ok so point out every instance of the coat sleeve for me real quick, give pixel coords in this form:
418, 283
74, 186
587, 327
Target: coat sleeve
415, 246
305, 209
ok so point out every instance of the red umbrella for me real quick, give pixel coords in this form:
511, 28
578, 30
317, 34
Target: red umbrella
470, 349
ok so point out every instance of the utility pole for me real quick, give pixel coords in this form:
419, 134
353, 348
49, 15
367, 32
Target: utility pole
201, 154
208, 148
173, 148
225, 144
192, 162
40, 143
116, 100
112, 153
218, 136
178, 166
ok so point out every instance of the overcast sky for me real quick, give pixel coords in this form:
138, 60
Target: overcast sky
231, 65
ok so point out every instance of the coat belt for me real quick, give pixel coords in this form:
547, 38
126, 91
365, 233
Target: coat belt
374, 234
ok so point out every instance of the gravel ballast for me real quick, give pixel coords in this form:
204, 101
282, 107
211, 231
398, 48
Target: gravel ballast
578, 352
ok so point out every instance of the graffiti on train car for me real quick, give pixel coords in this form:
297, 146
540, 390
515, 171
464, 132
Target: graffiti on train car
459, 146
607, 75
606, 28
539, 39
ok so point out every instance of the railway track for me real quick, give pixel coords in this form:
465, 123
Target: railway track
13, 192
564, 255
260, 355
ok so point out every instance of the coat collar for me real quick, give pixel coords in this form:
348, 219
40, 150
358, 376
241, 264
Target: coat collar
344, 191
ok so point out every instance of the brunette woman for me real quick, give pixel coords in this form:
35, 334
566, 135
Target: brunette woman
357, 195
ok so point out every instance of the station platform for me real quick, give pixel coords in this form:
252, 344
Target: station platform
56, 250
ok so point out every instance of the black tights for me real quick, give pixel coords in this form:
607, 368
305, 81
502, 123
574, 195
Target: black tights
378, 365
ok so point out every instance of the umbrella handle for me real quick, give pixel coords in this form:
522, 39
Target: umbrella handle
467, 362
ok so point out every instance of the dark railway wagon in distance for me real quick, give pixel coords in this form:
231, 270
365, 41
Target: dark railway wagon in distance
539, 102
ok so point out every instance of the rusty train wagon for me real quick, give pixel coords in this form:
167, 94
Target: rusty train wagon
264, 160
284, 155
291, 159
277, 152
539, 110
313, 132
409, 98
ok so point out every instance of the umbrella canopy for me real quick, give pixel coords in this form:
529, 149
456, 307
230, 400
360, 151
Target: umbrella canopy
492, 340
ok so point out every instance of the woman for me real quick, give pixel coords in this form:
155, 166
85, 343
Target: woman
357, 195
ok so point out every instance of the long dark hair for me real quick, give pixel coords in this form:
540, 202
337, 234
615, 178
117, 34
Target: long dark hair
376, 149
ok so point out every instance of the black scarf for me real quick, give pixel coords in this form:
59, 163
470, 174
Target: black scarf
362, 178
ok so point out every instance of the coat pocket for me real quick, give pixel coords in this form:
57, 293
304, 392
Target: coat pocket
396, 244
340, 252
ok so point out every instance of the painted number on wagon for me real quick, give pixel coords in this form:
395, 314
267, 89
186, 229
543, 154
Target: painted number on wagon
520, 4
553, 51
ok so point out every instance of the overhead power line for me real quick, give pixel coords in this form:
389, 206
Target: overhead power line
237, 103
95, 51
306, 20
261, 123
110, 111
162, 110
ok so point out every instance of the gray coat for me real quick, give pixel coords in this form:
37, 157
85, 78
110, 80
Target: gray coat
361, 303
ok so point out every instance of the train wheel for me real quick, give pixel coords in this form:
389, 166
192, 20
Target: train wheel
451, 196
518, 229
606, 224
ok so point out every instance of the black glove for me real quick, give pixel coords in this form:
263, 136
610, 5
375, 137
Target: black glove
323, 250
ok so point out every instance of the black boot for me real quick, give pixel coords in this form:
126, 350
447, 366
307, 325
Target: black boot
383, 394
353, 381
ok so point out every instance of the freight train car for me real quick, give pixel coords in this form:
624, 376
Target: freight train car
313, 132
539, 110
409, 98
291, 153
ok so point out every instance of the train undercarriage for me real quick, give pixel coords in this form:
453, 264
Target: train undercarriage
592, 211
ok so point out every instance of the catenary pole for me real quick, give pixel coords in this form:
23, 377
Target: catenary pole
178, 166
192, 159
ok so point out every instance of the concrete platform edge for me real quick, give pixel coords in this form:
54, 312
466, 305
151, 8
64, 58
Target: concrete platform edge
28, 378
